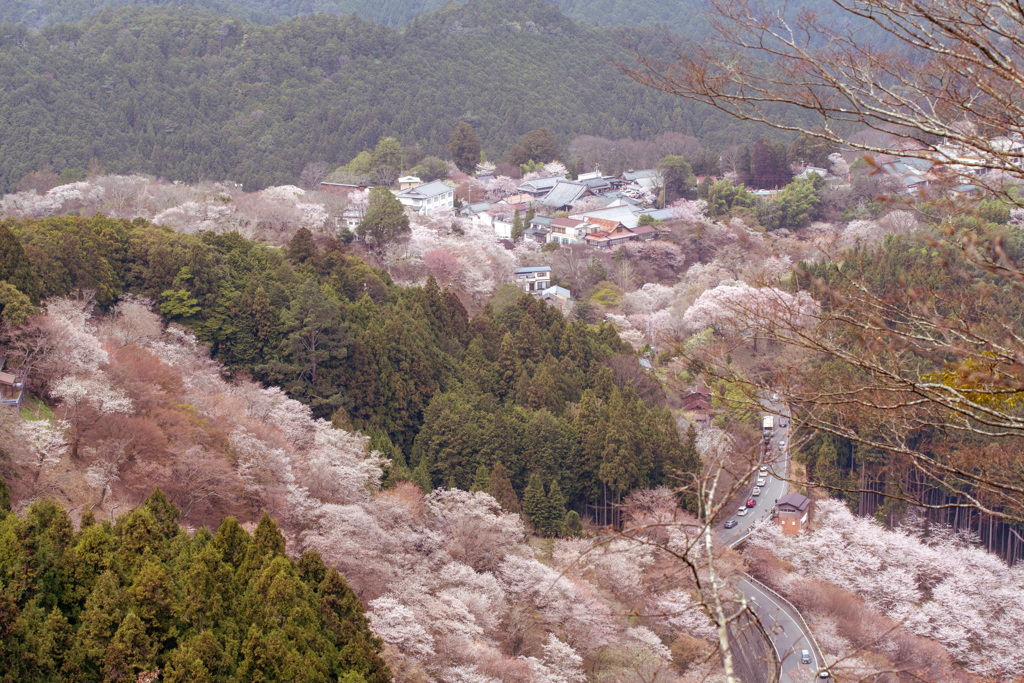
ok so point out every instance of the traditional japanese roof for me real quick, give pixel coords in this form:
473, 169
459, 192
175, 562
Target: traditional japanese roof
632, 175
563, 222
597, 185
659, 214
564, 193
813, 170
795, 501
556, 291
606, 224
540, 221
619, 214
643, 230
539, 186
432, 189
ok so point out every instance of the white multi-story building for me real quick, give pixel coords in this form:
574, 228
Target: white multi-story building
532, 278
429, 197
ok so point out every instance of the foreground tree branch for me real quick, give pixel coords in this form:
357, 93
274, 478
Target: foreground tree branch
949, 85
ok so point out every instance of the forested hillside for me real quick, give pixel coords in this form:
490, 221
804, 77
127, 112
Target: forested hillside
391, 12
140, 597
447, 397
187, 94
685, 17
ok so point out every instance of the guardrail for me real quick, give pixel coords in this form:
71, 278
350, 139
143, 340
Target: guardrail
807, 629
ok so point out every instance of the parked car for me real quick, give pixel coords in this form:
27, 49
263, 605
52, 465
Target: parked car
756, 491
731, 523
805, 656
751, 502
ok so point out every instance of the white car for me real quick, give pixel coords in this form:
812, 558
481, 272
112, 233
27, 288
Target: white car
762, 482
742, 512
782, 444
763, 472
756, 491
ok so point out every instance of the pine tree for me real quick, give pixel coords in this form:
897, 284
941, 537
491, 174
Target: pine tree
421, 476
232, 541
508, 366
302, 248
130, 652
517, 226
554, 510
534, 501
573, 525
501, 489
464, 147
482, 479
385, 221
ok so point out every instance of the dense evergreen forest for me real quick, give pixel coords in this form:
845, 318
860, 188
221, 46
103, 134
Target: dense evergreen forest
445, 396
685, 17
118, 601
188, 94
952, 285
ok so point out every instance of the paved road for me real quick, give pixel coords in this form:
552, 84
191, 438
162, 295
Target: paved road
786, 631
779, 619
777, 463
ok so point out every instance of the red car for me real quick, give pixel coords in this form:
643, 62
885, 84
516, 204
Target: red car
751, 502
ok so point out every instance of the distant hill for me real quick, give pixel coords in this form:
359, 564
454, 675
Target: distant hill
685, 17
391, 12
188, 94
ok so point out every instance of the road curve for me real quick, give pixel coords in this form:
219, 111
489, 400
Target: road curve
786, 629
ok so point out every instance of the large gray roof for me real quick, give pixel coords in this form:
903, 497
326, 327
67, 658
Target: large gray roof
539, 185
564, 193
645, 173
427, 190
621, 214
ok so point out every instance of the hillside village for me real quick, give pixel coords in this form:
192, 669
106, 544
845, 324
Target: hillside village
640, 277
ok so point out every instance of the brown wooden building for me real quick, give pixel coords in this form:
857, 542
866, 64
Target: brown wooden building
793, 513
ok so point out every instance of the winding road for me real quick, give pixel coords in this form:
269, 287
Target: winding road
786, 629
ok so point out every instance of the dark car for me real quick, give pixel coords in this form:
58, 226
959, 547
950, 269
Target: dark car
751, 502
731, 523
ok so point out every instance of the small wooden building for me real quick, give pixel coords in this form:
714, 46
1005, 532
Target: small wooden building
793, 512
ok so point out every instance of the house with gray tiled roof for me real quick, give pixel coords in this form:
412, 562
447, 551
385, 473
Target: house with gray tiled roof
564, 194
429, 197
648, 178
619, 214
538, 187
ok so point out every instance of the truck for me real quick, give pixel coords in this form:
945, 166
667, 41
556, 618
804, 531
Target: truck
768, 426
